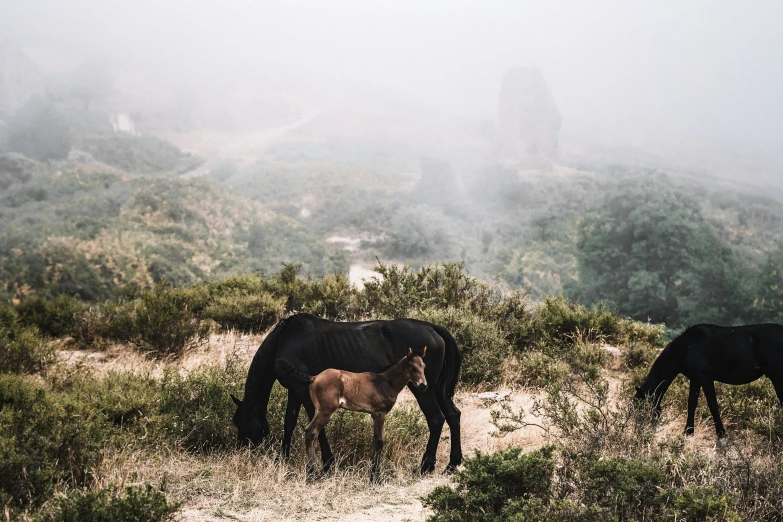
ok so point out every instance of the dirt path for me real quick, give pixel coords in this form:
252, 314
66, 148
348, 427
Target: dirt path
245, 148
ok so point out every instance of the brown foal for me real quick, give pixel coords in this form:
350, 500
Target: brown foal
373, 393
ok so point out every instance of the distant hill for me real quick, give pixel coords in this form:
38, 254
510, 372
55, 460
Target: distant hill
84, 228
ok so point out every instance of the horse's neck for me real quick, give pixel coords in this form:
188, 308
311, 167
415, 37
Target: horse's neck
395, 377
661, 375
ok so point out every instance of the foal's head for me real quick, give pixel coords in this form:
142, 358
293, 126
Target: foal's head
414, 368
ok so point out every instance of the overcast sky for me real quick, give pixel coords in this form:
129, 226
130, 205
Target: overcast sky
702, 71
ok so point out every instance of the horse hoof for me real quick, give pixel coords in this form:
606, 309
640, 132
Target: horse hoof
450, 469
688, 431
721, 434
426, 467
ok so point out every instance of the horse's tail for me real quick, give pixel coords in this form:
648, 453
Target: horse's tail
452, 362
292, 372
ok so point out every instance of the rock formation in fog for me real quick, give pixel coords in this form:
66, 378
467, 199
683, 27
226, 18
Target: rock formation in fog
529, 120
20, 80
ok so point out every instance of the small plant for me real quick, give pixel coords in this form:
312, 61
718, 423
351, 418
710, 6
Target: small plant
112, 504
21, 348
46, 439
165, 324
245, 312
54, 316
484, 347
495, 487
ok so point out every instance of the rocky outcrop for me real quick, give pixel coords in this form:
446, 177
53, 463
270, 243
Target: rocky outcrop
20, 80
529, 120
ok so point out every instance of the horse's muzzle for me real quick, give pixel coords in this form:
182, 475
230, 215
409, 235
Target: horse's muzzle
422, 387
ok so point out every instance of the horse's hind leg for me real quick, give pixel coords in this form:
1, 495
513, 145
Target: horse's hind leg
435, 419
712, 402
378, 420
693, 400
291, 416
452, 415
327, 457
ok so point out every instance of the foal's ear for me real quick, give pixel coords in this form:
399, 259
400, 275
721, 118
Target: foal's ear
236, 401
423, 351
410, 352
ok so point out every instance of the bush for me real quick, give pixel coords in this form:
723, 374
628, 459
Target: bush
491, 484
114, 320
484, 347
110, 504
196, 409
46, 439
245, 312
558, 324
21, 348
165, 325
54, 316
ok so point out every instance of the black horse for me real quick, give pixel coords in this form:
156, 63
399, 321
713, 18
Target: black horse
310, 345
707, 353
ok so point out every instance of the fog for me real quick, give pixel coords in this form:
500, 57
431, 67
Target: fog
695, 79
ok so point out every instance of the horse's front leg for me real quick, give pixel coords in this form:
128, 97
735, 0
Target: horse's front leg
291, 416
378, 421
693, 400
327, 457
712, 402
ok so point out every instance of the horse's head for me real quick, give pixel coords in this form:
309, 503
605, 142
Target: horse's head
250, 428
415, 368
652, 397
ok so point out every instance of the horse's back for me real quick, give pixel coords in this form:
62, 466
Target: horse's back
729, 354
316, 344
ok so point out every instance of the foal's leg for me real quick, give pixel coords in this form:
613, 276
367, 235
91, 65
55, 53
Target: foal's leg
453, 415
313, 430
712, 402
291, 416
693, 400
378, 420
327, 457
435, 419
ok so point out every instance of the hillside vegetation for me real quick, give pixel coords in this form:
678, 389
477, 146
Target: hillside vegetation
69, 428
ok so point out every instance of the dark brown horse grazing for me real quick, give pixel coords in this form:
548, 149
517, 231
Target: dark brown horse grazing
367, 392
707, 353
310, 345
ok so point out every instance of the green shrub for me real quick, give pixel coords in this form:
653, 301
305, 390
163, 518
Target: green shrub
245, 312
53, 316
627, 488
538, 369
95, 326
330, 297
112, 504
692, 504
490, 484
46, 439
484, 347
401, 290
21, 348
196, 409
559, 324
165, 325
